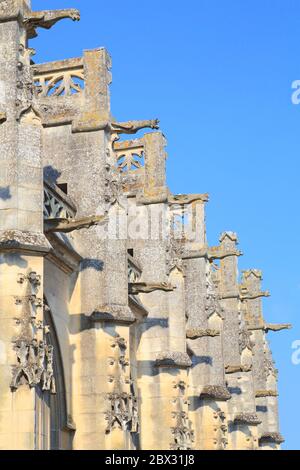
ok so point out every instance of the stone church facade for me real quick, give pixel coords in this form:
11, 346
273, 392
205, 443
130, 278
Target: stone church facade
121, 327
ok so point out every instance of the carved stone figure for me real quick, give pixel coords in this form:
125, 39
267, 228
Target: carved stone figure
132, 127
147, 288
69, 225
46, 19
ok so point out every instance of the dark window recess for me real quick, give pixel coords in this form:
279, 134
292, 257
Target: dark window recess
63, 187
131, 252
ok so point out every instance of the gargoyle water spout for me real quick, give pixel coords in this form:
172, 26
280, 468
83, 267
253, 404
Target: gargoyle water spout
46, 19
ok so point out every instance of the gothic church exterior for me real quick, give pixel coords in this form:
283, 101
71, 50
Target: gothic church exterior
121, 327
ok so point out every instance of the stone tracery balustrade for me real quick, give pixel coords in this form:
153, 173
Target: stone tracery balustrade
129, 155
57, 204
134, 271
62, 78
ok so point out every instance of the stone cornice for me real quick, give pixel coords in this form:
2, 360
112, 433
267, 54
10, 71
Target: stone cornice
271, 437
134, 303
176, 360
113, 314
24, 242
266, 393
215, 392
247, 418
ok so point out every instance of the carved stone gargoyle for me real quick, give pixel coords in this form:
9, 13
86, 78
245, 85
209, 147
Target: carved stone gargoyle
216, 253
237, 368
271, 327
279, 327
132, 127
186, 199
46, 19
2, 118
147, 288
70, 225
254, 295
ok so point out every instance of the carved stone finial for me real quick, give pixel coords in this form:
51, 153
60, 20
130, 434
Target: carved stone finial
46, 19
230, 235
252, 272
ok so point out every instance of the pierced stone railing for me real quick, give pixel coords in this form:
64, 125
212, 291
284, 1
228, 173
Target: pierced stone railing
62, 78
56, 203
134, 271
129, 155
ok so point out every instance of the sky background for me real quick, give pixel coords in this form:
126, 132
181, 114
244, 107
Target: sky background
218, 74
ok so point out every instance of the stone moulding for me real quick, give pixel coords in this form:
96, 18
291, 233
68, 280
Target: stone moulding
215, 392
70, 424
113, 314
135, 304
266, 393
247, 418
173, 360
62, 254
271, 437
196, 333
17, 240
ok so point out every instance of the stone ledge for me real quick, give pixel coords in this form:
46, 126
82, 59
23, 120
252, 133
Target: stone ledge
113, 314
18, 240
266, 393
215, 392
247, 418
173, 359
271, 437
196, 333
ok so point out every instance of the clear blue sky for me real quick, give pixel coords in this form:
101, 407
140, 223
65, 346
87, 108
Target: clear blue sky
218, 74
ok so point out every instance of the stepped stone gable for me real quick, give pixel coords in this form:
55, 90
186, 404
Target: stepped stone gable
117, 316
